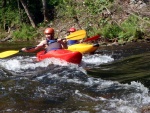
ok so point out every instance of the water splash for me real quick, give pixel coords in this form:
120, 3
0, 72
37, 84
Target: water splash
63, 84
20, 63
97, 59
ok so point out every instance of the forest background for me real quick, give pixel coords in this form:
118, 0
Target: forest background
121, 20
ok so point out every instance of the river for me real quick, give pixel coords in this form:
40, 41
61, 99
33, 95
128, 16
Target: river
116, 79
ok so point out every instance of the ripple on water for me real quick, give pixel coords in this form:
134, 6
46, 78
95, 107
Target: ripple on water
58, 86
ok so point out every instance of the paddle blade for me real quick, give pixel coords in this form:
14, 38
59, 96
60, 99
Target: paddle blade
8, 53
92, 38
80, 34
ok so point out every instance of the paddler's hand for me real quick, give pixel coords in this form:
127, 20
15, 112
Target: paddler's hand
29, 49
24, 49
63, 43
62, 40
81, 41
59, 40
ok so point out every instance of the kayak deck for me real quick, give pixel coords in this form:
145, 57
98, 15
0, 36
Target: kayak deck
84, 48
67, 55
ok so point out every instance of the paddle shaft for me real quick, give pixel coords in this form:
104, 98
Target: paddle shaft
92, 38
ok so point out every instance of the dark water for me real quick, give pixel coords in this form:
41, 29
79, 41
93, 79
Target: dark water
115, 79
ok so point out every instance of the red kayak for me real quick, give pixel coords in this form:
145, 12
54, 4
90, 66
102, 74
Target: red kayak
63, 54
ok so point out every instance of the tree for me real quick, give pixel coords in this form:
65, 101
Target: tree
3, 3
44, 3
28, 13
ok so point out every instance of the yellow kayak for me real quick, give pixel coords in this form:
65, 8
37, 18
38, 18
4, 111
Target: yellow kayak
84, 48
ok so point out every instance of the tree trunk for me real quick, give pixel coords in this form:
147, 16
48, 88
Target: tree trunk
3, 3
46, 19
28, 13
20, 16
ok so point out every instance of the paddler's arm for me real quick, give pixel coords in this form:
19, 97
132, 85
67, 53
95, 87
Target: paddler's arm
63, 43
41, 45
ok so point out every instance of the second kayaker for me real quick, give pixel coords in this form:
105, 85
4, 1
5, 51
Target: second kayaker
50, 43
71, 42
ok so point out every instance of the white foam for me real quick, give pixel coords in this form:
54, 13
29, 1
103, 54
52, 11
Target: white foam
97, 59
126, 109
20, 63
11, 64
131, 102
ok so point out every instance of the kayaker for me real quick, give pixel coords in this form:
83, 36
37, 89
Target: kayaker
71, 42
50, 43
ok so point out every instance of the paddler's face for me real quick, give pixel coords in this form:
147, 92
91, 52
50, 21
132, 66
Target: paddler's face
48, 36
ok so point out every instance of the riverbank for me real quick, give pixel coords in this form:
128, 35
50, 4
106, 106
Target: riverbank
126, 20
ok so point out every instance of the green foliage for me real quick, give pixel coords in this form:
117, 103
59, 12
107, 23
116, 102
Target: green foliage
3, 34
55, 2
130, 27
128, 30
111, 31
93, 31
67, 8
26, 32
89, 13
7, 17
96, 6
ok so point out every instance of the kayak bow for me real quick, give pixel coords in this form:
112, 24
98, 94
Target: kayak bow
66, 55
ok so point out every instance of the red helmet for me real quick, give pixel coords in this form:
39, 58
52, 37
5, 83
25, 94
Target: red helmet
49, 31
72, 29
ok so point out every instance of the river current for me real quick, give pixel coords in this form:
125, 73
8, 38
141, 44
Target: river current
115, 79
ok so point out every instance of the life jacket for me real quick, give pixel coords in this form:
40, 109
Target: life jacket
53, 45
71, 42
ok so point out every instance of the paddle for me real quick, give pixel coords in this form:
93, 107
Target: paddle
96, 37
8, 53
11, 52
80, 34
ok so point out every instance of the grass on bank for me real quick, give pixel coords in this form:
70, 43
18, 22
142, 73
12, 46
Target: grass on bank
128, 30
90, 18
